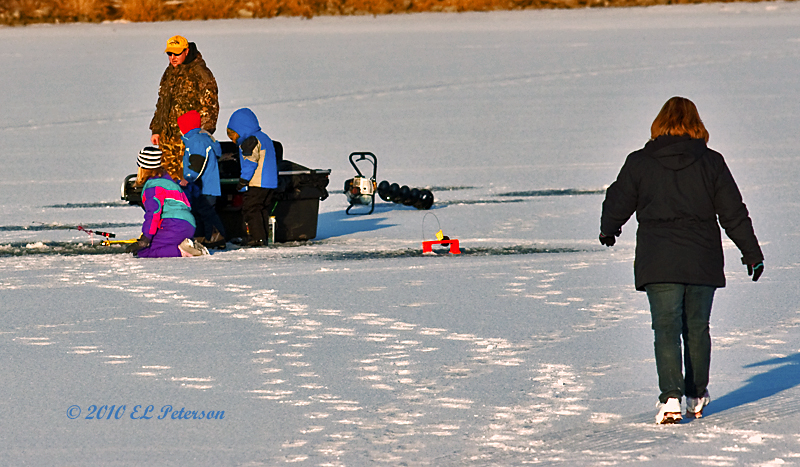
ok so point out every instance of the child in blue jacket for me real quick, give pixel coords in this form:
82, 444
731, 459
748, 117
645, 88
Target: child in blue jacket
201, 178
259, 173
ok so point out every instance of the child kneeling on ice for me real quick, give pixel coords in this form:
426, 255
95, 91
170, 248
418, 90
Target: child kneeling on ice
168, 222
259, 173
201, 178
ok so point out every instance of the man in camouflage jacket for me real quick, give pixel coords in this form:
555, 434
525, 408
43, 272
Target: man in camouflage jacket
187, 84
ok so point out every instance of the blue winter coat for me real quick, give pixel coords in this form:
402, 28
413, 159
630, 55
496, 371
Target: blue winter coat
200, 161
256, 151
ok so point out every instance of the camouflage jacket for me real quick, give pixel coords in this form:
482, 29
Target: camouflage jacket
189, 86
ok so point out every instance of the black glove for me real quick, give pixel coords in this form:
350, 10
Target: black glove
242, 184
143, 242
755, 270
249, 145
607, 240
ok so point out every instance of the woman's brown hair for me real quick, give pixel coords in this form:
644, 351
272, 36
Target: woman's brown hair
145, 174
679, 117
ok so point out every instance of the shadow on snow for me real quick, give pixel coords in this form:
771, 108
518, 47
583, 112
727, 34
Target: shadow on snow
337, 223
785, 375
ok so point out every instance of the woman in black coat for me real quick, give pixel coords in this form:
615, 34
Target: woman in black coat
681, 192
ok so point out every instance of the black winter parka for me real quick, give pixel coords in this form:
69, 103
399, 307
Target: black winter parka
681, 191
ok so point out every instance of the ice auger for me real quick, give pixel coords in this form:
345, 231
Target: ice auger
360, 190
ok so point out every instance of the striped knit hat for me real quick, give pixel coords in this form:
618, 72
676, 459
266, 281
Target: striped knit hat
149, 158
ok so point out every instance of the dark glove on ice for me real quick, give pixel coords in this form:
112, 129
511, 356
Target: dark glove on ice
755, 270
242, 184
607, 240
143, 242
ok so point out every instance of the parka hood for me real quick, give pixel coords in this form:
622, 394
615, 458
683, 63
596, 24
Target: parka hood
676, 152
245, 123
193, 54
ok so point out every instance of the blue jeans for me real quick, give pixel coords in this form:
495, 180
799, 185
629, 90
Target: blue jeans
681, 311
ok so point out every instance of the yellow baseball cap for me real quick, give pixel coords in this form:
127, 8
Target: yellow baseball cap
177, 44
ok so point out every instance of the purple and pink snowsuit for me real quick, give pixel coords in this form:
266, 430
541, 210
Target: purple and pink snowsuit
168, 218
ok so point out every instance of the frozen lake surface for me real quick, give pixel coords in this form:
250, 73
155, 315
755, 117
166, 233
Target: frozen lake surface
531, 347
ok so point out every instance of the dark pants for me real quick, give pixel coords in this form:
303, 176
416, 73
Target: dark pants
205, 214
256, 209
681, 311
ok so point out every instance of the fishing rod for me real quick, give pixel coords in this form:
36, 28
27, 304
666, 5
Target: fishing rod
95, 232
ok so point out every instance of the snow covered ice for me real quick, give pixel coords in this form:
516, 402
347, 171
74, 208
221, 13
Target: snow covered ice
531, 347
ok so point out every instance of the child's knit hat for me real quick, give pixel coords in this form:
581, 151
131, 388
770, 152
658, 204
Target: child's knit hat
149, 158
189, 121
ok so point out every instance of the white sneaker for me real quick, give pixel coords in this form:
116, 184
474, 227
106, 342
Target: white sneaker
695, 405
202, 248
190, 248
670, 412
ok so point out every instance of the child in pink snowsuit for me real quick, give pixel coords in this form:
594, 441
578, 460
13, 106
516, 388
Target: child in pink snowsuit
168, 219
